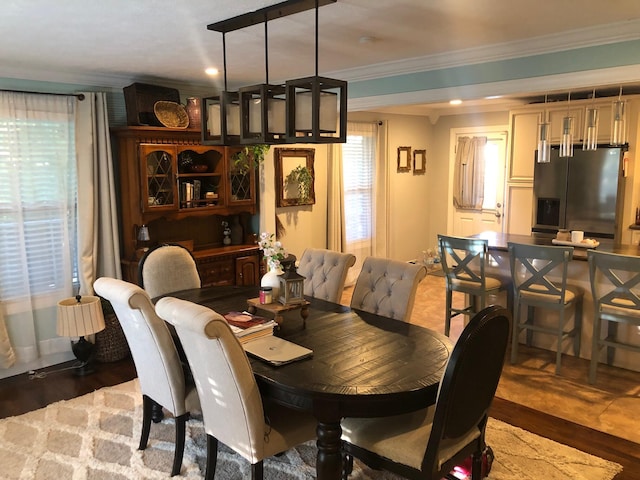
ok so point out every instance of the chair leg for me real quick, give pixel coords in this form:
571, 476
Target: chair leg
476, 466
212, 457
531, 313
560, 334
447, 317
146, 422
577, 328
347, 466
181, 422
595, 348
612, 334
257, 471
515, 331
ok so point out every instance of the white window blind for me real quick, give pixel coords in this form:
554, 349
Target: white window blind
358, 163
38, 194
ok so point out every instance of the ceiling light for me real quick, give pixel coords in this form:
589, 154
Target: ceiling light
590, 135
543, 152
455, 102
493, 97
306, 110
566, 140
212, 71
619, 121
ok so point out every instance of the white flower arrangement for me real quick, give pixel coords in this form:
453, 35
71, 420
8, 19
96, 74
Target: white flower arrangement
272, 250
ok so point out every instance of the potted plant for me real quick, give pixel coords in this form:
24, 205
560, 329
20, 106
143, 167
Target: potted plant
302, 178
249, 157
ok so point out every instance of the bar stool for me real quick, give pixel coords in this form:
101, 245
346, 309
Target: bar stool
532, 267
615, 286
463, 262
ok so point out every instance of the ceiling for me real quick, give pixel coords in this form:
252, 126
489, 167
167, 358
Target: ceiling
118, 42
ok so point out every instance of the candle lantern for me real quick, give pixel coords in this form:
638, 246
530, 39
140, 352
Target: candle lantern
291, 286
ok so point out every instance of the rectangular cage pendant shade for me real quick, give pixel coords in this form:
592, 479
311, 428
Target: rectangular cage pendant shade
221, 119
263, 114
316, 110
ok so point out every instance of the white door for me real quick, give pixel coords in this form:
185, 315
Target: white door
490, 217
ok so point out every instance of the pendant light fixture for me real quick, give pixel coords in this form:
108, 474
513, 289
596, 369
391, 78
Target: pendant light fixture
221, 113
263, 108
544, 130
566, 140
307, 110
590, 135
619, 121
316, 107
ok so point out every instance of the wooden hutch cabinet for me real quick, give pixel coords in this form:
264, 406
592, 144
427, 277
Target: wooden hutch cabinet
182, 191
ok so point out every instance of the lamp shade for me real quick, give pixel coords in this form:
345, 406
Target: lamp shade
619, 122
544, 144
221, 119
79, 316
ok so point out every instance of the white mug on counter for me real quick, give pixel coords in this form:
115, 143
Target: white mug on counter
577, 236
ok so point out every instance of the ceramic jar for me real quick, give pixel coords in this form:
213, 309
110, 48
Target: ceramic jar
193, 112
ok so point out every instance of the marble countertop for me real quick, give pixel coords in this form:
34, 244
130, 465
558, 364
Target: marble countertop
498, 241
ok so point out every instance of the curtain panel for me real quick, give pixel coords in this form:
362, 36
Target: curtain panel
468, 173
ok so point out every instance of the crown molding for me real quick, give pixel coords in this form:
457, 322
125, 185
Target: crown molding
587, 37
528, 86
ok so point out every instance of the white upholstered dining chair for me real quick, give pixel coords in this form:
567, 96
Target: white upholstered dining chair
325, 272
168, 268
232, 406
387, 287
156, 359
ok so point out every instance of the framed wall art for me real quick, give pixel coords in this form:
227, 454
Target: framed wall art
419, 161
404, 159
294, 176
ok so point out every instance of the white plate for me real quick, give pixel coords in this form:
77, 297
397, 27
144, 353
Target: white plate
592, 244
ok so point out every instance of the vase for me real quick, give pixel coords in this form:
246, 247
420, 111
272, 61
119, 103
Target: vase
193, 112
271, 279
237, 232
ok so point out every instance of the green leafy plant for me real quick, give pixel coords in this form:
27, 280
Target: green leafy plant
249, 157
302, 178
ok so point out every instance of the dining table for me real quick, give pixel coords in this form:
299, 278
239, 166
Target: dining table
363, 365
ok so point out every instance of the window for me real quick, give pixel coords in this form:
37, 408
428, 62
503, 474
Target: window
38, 192
358, 180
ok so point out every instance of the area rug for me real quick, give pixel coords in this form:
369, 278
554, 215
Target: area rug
95, 437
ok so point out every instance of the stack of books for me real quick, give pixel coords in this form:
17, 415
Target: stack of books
248, 327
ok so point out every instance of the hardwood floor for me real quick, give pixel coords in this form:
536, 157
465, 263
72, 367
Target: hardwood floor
23, 393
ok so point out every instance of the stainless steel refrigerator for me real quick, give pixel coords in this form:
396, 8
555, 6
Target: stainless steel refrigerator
583, 192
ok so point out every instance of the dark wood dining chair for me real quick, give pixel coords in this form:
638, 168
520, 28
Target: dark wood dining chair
156, 359
615, 286
232, 406
429, 443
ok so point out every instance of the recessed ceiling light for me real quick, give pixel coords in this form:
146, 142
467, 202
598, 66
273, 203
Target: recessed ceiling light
455, 102
211, 71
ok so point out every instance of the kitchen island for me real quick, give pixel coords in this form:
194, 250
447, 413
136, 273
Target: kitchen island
578, 275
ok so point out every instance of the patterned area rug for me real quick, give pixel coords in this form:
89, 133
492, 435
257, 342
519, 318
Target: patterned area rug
95, 437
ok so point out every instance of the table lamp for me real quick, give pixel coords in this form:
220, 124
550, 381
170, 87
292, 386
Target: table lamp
78, 317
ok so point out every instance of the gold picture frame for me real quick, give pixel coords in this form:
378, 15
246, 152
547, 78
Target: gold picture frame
295, 177
404, 159
419, 161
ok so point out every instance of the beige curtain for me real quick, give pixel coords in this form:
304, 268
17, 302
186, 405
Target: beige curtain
98, 243
7, 355
336, 239
468, 173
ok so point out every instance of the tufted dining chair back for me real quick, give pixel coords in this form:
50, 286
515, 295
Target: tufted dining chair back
325, 272
168, 268
387, 287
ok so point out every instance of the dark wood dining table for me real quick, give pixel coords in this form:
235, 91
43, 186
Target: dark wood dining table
363, 365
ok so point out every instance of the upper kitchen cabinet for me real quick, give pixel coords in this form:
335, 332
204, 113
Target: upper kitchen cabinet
524, 131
